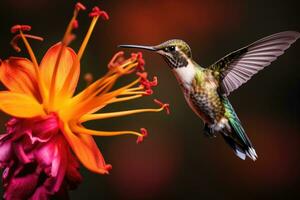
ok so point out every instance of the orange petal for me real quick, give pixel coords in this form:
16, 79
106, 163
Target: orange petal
20, 105
86, 150
18, 75
68, 56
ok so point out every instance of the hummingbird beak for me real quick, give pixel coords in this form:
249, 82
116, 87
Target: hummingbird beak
149, 48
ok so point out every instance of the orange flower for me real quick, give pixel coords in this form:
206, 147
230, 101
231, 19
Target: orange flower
41, 90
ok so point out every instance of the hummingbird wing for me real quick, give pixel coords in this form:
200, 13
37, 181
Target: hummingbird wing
239, 66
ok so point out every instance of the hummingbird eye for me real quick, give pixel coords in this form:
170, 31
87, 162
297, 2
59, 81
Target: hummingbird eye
170, 49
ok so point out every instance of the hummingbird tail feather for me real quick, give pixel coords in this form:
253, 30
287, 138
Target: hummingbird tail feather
239, 150
236, 137
251, 153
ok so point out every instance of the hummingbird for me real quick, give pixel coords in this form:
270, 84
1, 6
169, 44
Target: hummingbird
206, 89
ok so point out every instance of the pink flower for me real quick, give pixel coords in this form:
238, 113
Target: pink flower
36, 159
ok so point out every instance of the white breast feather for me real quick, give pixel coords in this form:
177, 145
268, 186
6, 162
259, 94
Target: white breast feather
186, 74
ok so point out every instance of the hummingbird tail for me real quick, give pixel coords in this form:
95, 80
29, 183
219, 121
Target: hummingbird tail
235, 136
240, 150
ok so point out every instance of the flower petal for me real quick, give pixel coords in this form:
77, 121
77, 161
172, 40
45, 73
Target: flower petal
67, 58
5, 149
18, 75
40, 193
20, 187
20, 105
53, 155
86, 150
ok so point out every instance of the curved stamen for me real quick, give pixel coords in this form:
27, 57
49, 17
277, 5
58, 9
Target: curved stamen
120, 99
117, 60
80, 129
135, 88
144, 133
166, 106
134, 93
96, 13
90, 117
20, 28
73, 20
14, 41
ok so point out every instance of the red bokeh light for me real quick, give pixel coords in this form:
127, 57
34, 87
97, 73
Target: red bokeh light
168, 18
144, 170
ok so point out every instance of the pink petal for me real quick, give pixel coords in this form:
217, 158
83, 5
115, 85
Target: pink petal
46, 127
40, 194
21, 187
5, 148
20, 153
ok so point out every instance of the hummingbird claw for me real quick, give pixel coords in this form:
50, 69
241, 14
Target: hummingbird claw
208, 132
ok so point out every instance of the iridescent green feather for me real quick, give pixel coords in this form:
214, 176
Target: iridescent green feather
235, 123
199, 76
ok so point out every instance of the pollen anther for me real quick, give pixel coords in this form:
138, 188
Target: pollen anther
88, 77
165, 106
80, 6
116, 60
75, 24
96, 12
144, 133
17, 28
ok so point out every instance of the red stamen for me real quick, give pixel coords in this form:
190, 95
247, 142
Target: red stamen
116, 60
166, 106
88, 77
136, 56
14, 41
17, 28
154, 82
96, 9
141, 65
141, 62
148, 92
69, 38
96, 12
80, 6
142, 75
104, 15
75, 24
146, 83
144, 133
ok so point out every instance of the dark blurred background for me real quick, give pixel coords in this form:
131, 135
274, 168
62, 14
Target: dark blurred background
177, 161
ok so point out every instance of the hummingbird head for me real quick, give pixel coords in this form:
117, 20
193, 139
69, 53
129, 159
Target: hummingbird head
175, 52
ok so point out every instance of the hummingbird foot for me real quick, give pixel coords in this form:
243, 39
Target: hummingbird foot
208, 131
